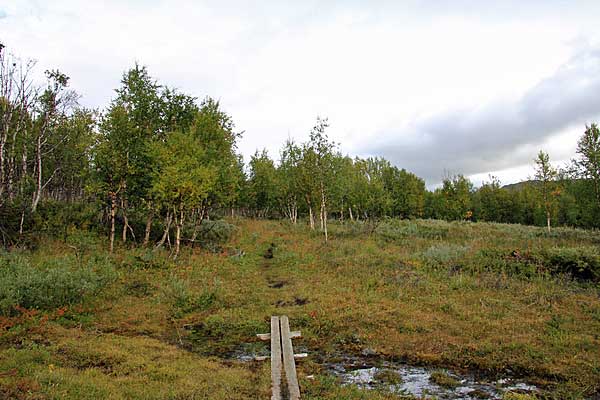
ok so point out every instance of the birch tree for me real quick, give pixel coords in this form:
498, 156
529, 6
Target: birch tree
588, 149
321, 150
546, 175
183, 180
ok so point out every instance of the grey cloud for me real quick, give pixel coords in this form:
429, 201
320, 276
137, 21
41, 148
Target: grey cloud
3, 14
493, 136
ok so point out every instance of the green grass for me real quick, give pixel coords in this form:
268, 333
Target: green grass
136, 325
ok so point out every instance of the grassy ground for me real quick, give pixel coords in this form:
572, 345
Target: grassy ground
461, 295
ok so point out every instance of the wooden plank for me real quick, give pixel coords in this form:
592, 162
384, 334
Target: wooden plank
264, 336
267, 336
296, 356
275, 359
289, 364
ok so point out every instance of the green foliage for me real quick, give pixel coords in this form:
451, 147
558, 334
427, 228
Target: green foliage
580, 262
456, 198
507, 262
445, 255
144, 259
215, 232
182, 180
263, 184
393, 229
56, 218
183, 300
442, 378
55, 283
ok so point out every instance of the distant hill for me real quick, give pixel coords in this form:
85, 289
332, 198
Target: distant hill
520, 185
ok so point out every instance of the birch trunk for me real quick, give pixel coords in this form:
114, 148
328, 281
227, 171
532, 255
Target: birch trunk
179, 222
113, 211
162, 240
148, 229
2, 141
125, 221
38, 191
324, 211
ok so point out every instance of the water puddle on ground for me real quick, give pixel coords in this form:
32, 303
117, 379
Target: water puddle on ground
404, 379
424, 382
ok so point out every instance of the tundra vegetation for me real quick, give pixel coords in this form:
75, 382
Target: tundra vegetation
135, 242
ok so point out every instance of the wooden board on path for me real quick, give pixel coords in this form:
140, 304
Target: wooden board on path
282, 359
289, 364
275, 359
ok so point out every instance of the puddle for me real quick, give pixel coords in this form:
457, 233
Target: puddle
249, 351
418, 381
403, 379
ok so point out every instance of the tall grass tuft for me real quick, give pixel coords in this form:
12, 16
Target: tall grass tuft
52, 284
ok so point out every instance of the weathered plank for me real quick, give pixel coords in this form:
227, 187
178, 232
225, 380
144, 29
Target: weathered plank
296, 356
267, 336
275, 359
289, 364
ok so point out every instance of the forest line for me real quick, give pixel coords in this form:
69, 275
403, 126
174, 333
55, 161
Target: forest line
156, 162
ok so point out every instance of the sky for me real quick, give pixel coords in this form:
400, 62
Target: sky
438, 87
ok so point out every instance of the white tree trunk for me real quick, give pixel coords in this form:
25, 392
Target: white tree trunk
148, 228
324, 212
168, 221
38, 190
113, 211
179, 222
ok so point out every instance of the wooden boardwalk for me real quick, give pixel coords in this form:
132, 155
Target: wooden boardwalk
282, 355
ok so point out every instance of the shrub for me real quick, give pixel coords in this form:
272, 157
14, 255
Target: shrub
144, 259
508, 262
56, 218
351, 229
179, 294
55, 283
579, 262
212, 234
445, 255
394, 229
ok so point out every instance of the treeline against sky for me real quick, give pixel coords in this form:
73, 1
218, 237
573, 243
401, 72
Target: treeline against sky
155, 163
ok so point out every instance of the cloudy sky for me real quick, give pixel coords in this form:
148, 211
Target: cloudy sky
437, 87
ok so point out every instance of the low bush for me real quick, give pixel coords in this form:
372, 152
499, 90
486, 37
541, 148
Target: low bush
178, 293
55, 283
394, 229
510, 262
580, 262
213, 234
351, 229
445, 255
57, 218
144, 259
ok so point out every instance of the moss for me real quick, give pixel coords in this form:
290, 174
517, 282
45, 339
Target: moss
387, 377
443, 379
